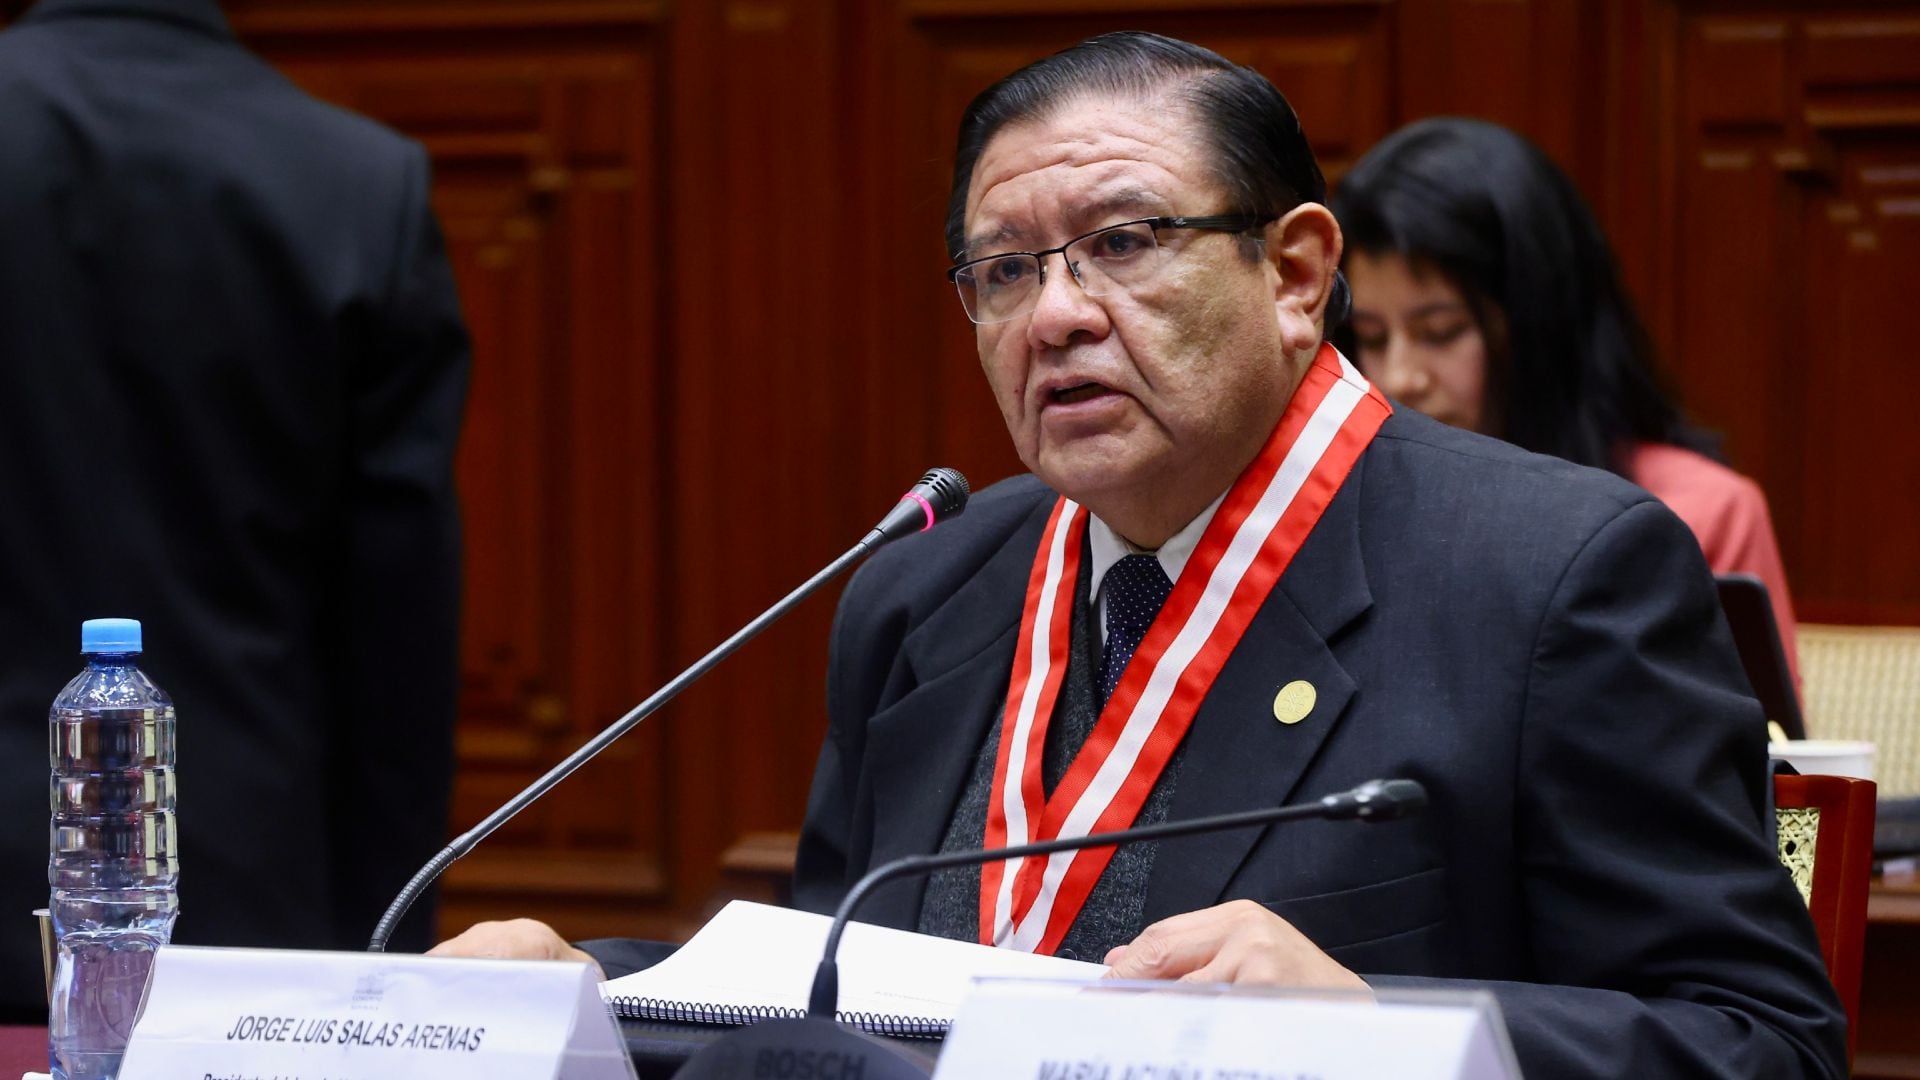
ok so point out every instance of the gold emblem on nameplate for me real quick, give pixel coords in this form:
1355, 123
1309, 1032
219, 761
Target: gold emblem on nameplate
1294, 701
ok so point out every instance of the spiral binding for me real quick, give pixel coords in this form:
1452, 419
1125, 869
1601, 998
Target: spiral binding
910, 1027
690, 1012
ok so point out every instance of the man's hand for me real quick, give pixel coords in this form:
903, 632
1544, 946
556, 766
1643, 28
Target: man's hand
515, 939
1237, 942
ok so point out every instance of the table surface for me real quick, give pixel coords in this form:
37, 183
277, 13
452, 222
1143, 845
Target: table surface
1894, 902
22, 1049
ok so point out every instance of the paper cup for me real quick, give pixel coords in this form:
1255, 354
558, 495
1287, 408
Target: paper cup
1826, 757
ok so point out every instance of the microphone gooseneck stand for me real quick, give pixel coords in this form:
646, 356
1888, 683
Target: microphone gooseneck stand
1375, 800
940, 494
819, 1042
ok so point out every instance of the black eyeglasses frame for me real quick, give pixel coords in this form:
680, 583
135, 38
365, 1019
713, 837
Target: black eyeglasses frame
1228, 223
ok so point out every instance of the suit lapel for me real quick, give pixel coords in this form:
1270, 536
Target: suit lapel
1237, 756
921, 748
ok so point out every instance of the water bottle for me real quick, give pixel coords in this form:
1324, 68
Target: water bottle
114, 867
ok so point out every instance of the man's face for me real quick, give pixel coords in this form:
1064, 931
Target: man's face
1175, 381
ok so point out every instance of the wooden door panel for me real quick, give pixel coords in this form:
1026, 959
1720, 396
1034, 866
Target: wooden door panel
1796, 197
498, 246
542, 139
1856, 533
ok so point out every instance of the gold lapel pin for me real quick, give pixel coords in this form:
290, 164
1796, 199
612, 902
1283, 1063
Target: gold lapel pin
1294, 701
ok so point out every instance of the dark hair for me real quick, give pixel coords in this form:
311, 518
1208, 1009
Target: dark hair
1260, 152
1573, 374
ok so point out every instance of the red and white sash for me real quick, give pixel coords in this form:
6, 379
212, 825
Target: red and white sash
1030, 903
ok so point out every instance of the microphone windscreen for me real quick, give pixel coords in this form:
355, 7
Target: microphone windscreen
945, 490
938, 495
1377, 800
1389, 799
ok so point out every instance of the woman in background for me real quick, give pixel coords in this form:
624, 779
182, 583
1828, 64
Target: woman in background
1485, 295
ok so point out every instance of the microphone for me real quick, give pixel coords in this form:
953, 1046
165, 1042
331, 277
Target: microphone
940, 494
820, 1035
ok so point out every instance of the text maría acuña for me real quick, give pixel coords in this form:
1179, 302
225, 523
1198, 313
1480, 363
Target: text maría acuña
1102, 1070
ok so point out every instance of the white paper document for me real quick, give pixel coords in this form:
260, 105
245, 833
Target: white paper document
753, 961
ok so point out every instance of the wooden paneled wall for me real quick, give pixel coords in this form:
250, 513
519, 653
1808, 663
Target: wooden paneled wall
699, 248
1797, 204
547, 125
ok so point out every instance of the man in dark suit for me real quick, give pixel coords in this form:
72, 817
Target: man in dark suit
1238, 577
232, 368
1166, 620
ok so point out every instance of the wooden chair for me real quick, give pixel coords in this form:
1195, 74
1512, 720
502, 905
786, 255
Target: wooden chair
1863, 682
1826, 843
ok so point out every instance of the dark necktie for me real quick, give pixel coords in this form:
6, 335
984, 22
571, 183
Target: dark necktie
1135, 589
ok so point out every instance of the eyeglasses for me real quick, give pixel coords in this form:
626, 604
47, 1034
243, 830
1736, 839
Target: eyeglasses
1119, 257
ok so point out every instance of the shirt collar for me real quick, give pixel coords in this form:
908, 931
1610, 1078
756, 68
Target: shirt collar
1106, 547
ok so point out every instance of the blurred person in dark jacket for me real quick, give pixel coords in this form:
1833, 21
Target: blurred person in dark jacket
232, 369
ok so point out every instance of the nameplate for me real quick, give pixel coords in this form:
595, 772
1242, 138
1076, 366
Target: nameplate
1166, 1031
242, 1014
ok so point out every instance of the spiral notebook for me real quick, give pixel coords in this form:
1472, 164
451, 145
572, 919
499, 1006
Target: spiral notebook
754, 962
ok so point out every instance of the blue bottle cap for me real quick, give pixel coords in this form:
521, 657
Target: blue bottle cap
110, 636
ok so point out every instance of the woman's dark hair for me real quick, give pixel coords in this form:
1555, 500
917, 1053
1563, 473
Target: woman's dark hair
1260, 152
1572, 373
